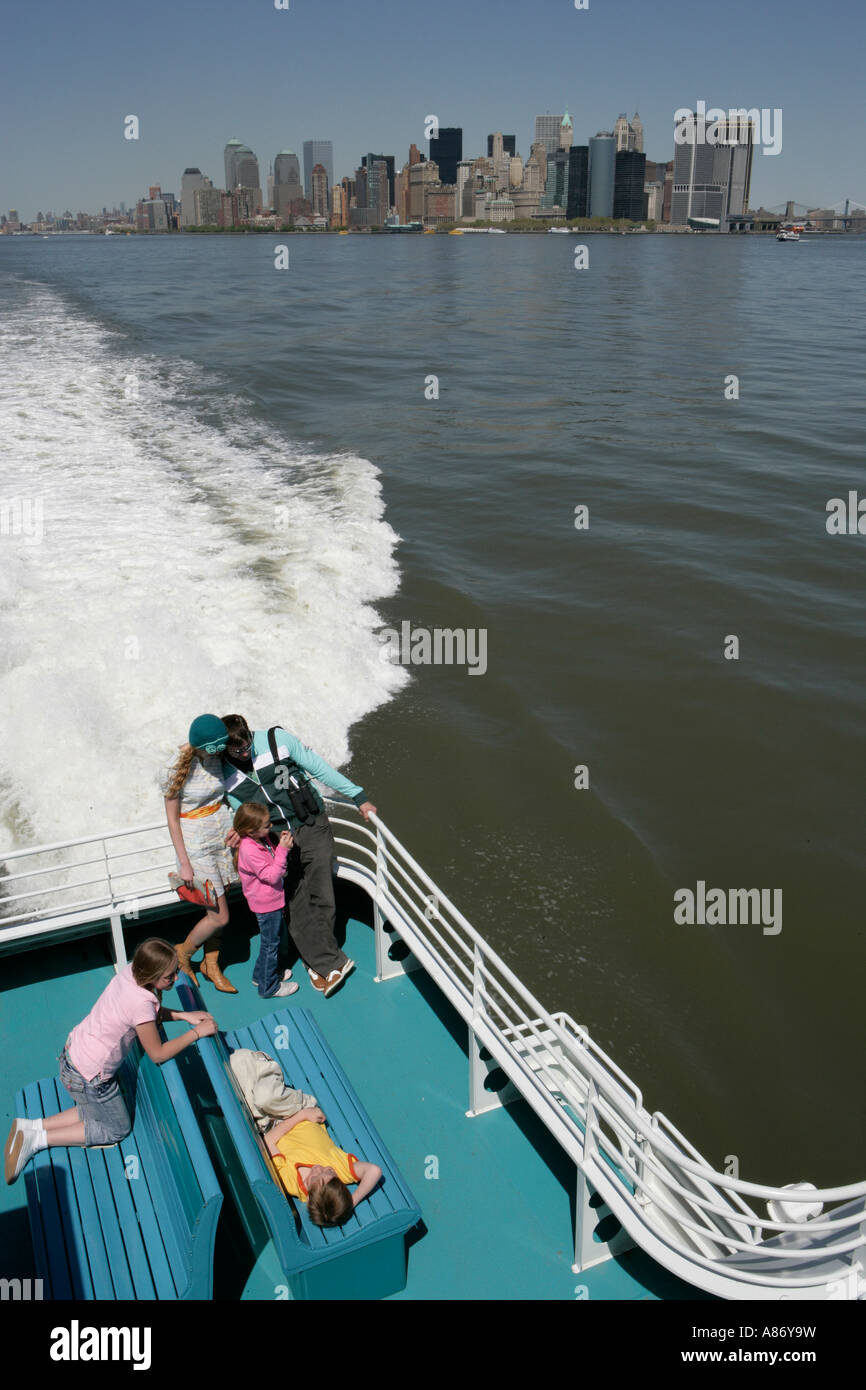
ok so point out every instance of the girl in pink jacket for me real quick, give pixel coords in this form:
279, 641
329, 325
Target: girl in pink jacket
262, 862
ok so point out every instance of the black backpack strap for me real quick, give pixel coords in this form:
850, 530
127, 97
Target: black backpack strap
272, 742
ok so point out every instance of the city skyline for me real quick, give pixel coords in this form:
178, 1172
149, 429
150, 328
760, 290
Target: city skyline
70, 90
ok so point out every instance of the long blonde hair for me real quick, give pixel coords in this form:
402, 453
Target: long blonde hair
185, 758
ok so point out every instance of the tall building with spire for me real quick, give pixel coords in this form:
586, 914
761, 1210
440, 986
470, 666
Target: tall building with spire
566, 133
548, 131
628, 134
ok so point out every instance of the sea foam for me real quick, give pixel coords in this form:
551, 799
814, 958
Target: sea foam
191, 559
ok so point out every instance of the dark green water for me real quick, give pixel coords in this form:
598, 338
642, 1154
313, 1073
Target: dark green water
605, 646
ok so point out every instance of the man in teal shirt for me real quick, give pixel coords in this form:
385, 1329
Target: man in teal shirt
272, 767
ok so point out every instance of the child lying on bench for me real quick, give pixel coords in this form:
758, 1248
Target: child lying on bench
312, 1167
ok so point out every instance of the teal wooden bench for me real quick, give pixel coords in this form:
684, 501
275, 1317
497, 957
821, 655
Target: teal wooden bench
136, 1220
367, 1257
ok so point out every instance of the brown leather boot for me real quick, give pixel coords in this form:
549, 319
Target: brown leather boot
184, 951
210, 968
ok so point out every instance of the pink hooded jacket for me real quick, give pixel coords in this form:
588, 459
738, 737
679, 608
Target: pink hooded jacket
262, 867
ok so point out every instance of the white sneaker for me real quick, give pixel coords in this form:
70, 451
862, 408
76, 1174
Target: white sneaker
287, 974
7, 1148
21, 1145
286, 988
337, 977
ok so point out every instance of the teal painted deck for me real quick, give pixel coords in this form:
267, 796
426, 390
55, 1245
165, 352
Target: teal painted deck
498, 1219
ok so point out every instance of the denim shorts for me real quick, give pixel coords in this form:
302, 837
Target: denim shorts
100, 1105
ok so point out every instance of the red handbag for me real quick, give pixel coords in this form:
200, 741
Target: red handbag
202, 891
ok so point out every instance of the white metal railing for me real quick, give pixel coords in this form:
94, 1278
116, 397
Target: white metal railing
692, 1219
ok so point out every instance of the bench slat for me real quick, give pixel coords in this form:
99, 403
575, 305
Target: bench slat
122, 1189
49, 1246
55, 1097
111, 1236
147, 1222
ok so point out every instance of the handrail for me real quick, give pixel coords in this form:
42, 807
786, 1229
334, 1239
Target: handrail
654, 1179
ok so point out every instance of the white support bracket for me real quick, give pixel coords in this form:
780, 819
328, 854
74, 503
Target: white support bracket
587, 1250
386, 967
480, 1099
117, 941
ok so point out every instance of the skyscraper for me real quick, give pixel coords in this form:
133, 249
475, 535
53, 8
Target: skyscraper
242, 171
628, 134
369, 160
566, 133
547, 132
317, 152
320, 198
509, 144
207, 206
378, 189
578, 181
535, 169
339, 215
602, 168
230, 153
192, 179
446, 150
288, 192
712, 168
556, 187
628, 188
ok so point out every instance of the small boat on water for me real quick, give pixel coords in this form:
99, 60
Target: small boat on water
558, 231
788, 234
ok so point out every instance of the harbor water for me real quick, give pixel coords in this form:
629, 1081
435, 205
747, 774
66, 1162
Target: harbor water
222, 481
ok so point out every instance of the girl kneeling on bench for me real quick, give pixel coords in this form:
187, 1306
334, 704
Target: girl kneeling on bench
312, 1167
129, 1007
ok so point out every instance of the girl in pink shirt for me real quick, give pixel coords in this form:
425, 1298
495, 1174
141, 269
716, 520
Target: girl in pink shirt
130, 1006
262, 863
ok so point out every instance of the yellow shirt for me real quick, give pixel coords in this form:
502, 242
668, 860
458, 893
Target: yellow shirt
305, 1146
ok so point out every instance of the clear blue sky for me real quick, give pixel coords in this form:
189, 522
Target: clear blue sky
199, 72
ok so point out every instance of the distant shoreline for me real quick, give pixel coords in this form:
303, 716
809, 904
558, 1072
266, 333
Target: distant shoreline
667, 230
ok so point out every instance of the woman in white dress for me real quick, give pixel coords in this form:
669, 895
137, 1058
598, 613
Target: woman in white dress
198, 821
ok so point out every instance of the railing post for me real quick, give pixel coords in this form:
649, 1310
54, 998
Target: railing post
386, 968
587, 1250
480, 1099
117, 941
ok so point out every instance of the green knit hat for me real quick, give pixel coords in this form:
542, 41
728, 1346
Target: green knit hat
208, 733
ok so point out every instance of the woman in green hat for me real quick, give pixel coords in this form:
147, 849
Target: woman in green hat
198, 821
